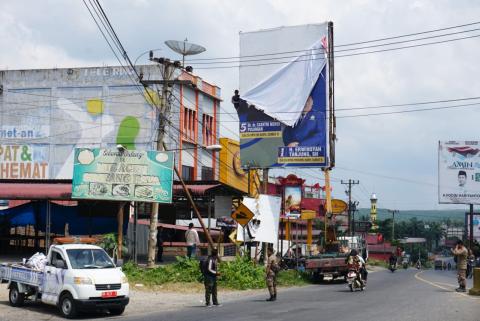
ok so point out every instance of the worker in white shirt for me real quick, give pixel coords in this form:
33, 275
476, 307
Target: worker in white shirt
191, 237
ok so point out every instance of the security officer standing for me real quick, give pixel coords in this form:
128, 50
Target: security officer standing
271, 274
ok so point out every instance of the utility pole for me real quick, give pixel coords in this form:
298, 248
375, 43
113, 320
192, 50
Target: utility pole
350, 205
168, 69
393, 222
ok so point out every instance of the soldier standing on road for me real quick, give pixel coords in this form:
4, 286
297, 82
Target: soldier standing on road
210, 279
271, 274
461, 253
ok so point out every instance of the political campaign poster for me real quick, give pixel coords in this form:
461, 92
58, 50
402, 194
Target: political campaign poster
283, 108
264, 225
459, 172
293, 200
127, 175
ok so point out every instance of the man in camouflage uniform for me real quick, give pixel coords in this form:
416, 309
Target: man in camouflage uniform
461, 252
271, 274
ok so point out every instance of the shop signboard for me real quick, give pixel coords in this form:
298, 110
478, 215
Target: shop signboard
282, 108
123, 175
459, 172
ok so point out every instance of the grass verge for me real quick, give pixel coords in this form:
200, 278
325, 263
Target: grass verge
240, 274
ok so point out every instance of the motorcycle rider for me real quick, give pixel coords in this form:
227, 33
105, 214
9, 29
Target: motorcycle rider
393, 261
356, 263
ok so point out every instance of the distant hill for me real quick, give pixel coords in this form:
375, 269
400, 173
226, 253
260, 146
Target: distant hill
430, 215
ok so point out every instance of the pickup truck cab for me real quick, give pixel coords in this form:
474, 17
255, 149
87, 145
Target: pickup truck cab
76, 277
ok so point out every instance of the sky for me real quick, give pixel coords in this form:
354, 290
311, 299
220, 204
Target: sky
393, 156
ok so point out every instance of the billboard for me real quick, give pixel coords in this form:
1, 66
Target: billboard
293, 200
145, 176
47, 113
459, 172
284, 118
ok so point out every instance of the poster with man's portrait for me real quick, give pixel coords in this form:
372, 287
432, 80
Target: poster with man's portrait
459, 172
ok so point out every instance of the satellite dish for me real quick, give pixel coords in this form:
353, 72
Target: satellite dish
184, 48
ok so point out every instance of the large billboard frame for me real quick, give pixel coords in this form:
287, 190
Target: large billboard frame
458, 181
330, 131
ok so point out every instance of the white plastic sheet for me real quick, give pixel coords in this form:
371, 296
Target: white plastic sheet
282, 89
37, 261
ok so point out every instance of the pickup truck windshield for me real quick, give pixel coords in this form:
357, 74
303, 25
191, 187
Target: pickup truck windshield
89, 259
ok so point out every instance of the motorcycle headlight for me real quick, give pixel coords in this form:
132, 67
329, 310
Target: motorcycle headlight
82, 280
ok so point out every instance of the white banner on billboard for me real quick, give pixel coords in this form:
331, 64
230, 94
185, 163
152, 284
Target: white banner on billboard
459, 172
264, 225
281, 88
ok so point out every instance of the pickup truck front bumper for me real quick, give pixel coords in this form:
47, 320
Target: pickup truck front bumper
99, 303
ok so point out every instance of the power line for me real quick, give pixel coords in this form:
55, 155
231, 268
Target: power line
315, 52
343, 56
341, 45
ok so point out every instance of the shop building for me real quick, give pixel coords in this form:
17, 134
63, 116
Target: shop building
47, 113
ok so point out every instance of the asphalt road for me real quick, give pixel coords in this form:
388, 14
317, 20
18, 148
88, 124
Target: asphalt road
404, 295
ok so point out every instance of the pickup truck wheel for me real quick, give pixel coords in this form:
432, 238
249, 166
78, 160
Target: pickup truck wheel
15, 297
67, 306
117, 311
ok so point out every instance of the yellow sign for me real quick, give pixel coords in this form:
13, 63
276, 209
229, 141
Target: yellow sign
307, 215
242, 215
339, 206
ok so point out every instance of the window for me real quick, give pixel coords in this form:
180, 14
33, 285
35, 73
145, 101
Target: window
208, 133
89, 259
207, 173
144, 209
55, 257
189, 121
187, 173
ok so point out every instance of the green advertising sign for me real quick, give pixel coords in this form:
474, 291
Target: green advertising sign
145, 176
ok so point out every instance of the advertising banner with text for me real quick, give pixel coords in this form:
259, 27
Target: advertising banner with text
459, 172
282, 107
145, 176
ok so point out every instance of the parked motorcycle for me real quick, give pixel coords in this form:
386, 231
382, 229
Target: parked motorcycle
470, 265
354, 281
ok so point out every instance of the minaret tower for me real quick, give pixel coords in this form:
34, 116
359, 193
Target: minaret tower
373, 211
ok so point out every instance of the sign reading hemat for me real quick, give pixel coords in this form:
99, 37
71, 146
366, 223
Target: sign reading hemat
459, 172
128, 175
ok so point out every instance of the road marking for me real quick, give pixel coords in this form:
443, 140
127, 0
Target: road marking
436, 284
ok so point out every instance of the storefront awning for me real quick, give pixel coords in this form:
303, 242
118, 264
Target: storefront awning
195, 190
36, 191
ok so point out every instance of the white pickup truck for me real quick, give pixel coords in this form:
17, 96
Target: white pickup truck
77, 277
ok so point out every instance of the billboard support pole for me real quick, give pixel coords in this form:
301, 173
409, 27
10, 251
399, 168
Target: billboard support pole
328, 197
470, 240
